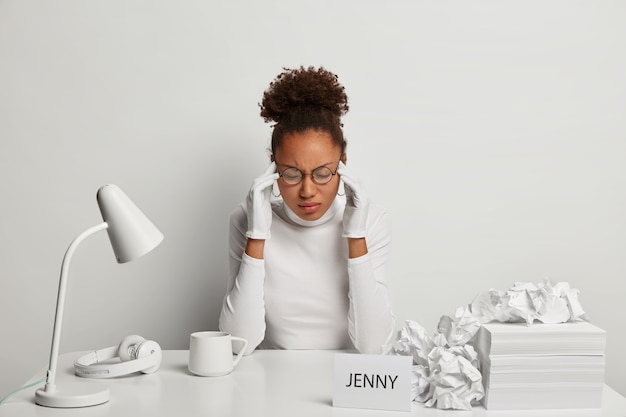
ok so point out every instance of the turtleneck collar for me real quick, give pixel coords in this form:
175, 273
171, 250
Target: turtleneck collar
326, 217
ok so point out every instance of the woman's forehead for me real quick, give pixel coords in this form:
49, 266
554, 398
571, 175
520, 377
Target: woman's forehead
308, 148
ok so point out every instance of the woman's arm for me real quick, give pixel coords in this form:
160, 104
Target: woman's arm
357, 247
371, 322
243, 308
370, 317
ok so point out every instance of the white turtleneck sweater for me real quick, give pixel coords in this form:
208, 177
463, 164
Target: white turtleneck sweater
306, 293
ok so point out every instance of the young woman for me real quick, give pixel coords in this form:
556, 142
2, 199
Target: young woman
308, 270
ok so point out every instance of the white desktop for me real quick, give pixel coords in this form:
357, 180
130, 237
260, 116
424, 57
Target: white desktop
266, 383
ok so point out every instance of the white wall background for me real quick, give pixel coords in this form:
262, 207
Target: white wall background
493, 131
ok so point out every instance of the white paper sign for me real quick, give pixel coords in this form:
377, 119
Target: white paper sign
381, 382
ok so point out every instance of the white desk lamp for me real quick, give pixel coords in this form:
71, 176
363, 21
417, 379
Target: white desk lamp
132, 235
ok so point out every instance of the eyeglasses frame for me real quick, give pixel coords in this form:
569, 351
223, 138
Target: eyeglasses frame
303, 174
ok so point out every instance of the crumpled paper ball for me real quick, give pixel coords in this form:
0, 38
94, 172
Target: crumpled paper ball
455, 381
443, 375
460, 329
527, 302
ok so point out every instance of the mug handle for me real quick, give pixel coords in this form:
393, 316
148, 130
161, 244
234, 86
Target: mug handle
243, 349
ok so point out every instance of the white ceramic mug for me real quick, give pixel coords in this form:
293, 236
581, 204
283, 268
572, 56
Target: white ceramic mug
211, 353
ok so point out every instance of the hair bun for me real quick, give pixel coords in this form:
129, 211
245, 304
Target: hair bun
308, 89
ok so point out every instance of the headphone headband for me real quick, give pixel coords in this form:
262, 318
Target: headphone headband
90, 366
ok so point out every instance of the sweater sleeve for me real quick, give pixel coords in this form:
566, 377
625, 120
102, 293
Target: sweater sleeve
243, 308
371, 322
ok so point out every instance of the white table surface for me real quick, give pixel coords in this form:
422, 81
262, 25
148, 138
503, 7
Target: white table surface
267, 383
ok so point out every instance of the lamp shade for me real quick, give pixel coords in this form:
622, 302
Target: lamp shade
131, 233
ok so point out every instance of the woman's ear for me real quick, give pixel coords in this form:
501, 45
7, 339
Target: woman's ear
344, 158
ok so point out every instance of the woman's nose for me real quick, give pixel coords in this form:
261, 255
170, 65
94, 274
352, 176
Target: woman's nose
307, 187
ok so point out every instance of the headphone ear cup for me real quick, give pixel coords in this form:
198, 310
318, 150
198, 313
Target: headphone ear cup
149, 348
128, 347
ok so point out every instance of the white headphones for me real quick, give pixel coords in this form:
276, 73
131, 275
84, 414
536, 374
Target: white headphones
135, 353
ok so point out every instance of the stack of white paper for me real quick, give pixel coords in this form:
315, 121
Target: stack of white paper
541, 365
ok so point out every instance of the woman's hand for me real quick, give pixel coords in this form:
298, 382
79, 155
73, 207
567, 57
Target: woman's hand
357, 205
259, 206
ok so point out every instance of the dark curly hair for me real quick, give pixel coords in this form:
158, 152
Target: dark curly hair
302, 99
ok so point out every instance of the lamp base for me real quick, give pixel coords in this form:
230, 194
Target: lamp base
72, 396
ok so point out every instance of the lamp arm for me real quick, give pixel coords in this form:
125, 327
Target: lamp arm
58, 318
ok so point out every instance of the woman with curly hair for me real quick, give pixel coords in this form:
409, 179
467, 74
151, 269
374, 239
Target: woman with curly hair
308, 269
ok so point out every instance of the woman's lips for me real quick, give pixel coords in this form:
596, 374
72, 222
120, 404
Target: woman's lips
309, 207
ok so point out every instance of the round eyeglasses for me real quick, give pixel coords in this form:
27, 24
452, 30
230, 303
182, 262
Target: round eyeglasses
320, 175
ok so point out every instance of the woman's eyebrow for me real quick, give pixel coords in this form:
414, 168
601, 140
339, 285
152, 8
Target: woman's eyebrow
292, 166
